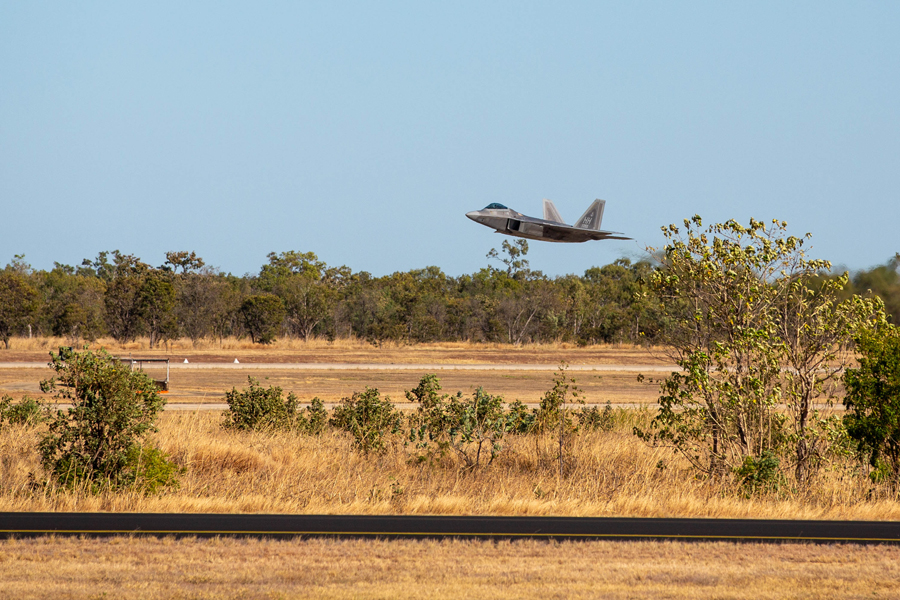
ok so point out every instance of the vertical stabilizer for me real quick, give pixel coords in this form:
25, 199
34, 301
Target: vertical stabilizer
592, 217
550, 212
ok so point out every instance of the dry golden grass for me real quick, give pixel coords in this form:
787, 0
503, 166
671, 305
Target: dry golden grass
150, 568
609, 474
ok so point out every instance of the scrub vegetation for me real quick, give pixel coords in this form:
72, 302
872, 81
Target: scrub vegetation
763, 339
606, 472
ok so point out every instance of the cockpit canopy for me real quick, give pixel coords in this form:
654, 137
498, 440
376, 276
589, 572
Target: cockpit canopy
495, 206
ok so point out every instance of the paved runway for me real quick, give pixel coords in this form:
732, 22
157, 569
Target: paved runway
473, 527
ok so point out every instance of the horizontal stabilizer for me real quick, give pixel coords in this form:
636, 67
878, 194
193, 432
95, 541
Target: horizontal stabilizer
550, 212
592, 217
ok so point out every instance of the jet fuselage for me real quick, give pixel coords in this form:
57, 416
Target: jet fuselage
510, 222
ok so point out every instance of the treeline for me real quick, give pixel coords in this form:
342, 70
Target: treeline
297, 295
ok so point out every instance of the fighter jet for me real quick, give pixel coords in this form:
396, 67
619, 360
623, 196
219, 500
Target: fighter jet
549, 229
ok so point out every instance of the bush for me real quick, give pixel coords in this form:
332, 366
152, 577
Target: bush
369, 418
471, 429
552, 413
595, 419
95, 443
258, 408
314, 418
521, 419
759, 474
28, 411
150, 470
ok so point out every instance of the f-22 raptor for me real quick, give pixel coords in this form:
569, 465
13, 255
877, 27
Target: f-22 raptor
549, 229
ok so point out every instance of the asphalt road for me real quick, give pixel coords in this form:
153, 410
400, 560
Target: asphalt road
487, 527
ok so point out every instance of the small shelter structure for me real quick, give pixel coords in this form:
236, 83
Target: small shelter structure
154, 371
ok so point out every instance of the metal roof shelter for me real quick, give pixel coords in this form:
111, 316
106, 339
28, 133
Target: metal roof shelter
138, 363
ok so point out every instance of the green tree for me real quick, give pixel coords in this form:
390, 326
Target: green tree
101, 439
815, 330
514, 256
620, 307
189, 262
155, 304
883, 281
122, 303
290, 263
73, 303
873, 402
751, 328
306, 286
263, 315
202, 301
18, 302
716, 292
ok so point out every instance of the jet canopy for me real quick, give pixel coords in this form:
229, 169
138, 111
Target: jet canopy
495, 206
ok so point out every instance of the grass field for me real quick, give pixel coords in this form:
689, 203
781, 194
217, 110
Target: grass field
608, 473
150, 568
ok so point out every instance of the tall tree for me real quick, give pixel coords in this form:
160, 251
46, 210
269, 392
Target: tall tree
816, 331
74, 303
263, 315
189, 262
722, 406
513, 256
884, 282
873, 402
124, 279
305, 285
18, 302
750, 332
155, 304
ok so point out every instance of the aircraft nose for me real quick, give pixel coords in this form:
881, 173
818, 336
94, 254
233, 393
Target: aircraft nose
473, 215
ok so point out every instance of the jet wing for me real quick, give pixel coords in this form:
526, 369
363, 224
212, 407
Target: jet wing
568, 233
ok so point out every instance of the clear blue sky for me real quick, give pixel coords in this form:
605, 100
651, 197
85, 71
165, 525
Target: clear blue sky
364, 131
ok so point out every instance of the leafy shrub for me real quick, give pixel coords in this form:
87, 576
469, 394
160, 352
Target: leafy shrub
28, 411
266, 408
429, 427
471, 429
759, 474
313, 419
94, 443
551, 413
259, 408
369, 418
521, 418
150, 470
592, 418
